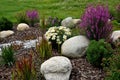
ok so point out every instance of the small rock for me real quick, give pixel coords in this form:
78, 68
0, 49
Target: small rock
115, 36
22, 27
56, 68
75, 21
75, 47
7, 33
30, 43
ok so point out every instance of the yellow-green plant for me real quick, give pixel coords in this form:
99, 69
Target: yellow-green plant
44, 48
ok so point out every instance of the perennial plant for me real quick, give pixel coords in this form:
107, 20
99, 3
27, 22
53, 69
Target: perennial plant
58, 34
95, 22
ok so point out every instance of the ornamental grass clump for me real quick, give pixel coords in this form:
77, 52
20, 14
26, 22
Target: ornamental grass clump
44, 49
24, 69
57, 35
22, 18
118, 13
95, 22
8, 55
33, 17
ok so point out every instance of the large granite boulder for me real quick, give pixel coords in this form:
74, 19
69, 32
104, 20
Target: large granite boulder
75, 47
7, 33
115, 36
22, 27
56, 68
68, 22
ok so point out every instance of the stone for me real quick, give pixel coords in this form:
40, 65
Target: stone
68, 22
4, 34
75, 47
30, 43
115, 36
76, 21
22, 27
0, 51
56, 68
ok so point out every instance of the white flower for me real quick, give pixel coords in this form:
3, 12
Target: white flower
53, 37
64, 37
58, 34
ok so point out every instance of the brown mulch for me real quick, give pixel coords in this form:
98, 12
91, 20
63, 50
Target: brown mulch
82, 70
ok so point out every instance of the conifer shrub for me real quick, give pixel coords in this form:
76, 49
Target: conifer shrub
98, 50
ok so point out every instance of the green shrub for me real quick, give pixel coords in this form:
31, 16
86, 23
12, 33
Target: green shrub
97, 50
5, 24
8, 55
44, 49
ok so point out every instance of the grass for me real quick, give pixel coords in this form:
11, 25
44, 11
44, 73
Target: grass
55, 8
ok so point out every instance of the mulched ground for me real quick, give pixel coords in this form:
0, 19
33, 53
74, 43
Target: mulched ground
82, 70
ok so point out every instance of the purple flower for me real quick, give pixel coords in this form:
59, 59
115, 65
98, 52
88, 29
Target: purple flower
33, 16
95, 22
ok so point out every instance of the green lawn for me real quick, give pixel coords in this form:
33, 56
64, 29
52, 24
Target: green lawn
58, 8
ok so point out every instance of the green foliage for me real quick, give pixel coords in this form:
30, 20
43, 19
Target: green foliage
22, 18
114, 68
98, 50
116, 25
118, 13
25, 69
8, 55
44, 49
5, 24
113, 75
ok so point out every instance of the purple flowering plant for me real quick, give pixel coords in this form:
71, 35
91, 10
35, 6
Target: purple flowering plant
33, 16
95, 22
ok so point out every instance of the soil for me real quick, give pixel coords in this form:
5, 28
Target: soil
82, 69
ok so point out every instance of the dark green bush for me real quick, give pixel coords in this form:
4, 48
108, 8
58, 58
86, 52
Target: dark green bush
97, 50
8, 55
5, 24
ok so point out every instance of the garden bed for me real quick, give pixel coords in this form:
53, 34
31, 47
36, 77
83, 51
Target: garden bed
82, 70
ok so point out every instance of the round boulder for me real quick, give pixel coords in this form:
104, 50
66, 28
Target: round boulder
75, 47
56, 68
7, 33
22, 27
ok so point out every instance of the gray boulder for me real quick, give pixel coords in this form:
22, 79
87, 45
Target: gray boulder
75, 47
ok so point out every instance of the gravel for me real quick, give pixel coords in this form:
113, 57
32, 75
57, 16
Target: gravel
82, 70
